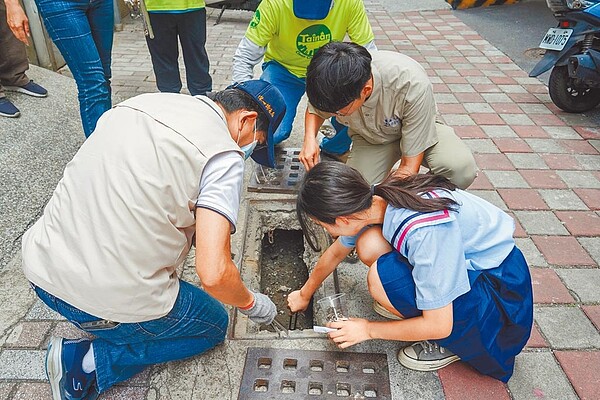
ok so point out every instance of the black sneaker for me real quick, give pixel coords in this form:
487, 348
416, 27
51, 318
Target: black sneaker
31, 89
8, 109
64, 370
426, 356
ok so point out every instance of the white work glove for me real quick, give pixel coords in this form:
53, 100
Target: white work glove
263, 311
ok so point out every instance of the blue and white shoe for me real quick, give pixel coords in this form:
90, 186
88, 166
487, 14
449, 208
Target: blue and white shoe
64, 370
8, 109
31, 89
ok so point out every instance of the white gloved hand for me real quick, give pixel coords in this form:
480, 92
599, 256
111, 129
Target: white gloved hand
263, 311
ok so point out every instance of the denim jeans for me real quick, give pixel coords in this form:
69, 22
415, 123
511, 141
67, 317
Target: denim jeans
292, 88
83, 32
190, 27
196, 323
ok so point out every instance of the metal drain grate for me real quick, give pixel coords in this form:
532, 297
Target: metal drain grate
304, 374
284, 178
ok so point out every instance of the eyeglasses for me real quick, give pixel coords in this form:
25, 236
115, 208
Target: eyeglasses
348, 108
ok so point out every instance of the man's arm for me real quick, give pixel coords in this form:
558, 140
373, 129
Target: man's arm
409, 165
309, 155
219, 276
17, 20
247, 55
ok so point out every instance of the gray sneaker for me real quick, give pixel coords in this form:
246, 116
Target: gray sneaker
426, 356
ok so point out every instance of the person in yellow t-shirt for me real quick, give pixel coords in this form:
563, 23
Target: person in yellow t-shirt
186, 20
287, 33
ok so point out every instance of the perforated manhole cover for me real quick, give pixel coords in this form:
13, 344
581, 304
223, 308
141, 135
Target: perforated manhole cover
305, 374
284, 178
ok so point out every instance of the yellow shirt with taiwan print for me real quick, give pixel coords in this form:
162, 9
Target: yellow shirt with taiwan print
292, 41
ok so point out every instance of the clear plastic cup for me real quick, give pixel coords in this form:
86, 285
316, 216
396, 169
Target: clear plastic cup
330, 309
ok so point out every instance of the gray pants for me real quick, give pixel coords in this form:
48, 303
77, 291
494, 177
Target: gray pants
13, 56
449, 157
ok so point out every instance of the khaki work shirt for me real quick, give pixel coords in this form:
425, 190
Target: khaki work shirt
401, 107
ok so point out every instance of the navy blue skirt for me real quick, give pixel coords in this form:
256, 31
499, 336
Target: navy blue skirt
492, 321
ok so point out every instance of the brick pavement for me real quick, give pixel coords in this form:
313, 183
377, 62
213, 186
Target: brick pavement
539, 164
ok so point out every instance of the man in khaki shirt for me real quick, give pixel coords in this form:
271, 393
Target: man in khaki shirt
386, 100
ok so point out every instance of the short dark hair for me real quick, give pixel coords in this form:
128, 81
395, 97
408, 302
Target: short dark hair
336, 75
235, 99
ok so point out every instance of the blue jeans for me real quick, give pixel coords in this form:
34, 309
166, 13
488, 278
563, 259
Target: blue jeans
292, 88
83, 32
196, 323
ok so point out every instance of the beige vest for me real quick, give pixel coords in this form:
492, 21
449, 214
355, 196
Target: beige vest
122, 217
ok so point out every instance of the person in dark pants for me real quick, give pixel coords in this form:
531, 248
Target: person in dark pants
14, 30
186, 20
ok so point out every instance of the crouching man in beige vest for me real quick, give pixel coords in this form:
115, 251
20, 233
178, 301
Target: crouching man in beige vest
159, 169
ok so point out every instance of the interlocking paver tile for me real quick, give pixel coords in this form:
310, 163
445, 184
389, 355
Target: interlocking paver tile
519, 230
588, 162
499, 131
517, 119
561, 250
595, 143
481, 146
492, 197
5, 390
591, 197
546, 120
528, 383
580, 223
125, 393
41, 311
581, 368
578, 146
543, 179
469, 132
507, 108
497, 162
561, 161
530, 131
478, 108
579, 179
527, 161
496, 98
506, 179
587, 132
67, 330
541, 223
512, 145
469, 97
487, 119
522, 199
22, 364
458, 119
592, 246
583, 282
33, 390
449, 108
562, 199
566, 327
28, 334
561, 132
548, 288
536, 340
593, 313
481, 182
461, 382
532, 254
545, 145
535, 108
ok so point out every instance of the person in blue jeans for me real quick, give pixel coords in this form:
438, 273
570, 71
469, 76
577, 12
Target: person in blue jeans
162, 171
286, 34
83, 32
443, 263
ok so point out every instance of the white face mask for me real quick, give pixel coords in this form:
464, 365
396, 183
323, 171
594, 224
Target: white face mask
249, 148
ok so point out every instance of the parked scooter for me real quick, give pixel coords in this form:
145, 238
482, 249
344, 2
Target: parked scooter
573, 49
248, 5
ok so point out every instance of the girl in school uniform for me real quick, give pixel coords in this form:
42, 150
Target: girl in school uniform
442, 261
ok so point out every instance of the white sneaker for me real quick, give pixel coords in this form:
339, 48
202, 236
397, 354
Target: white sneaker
381, 310
426, 356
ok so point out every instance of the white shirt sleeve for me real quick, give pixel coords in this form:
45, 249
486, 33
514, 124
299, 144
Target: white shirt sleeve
221, 185
246, 56
371, 46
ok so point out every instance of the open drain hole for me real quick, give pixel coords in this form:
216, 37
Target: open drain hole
282, 270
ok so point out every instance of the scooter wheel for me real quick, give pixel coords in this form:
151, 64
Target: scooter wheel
568, 96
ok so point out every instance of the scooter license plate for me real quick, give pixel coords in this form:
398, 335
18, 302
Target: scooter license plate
556, 39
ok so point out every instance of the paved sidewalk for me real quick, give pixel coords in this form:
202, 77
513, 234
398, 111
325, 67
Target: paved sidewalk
537, 163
